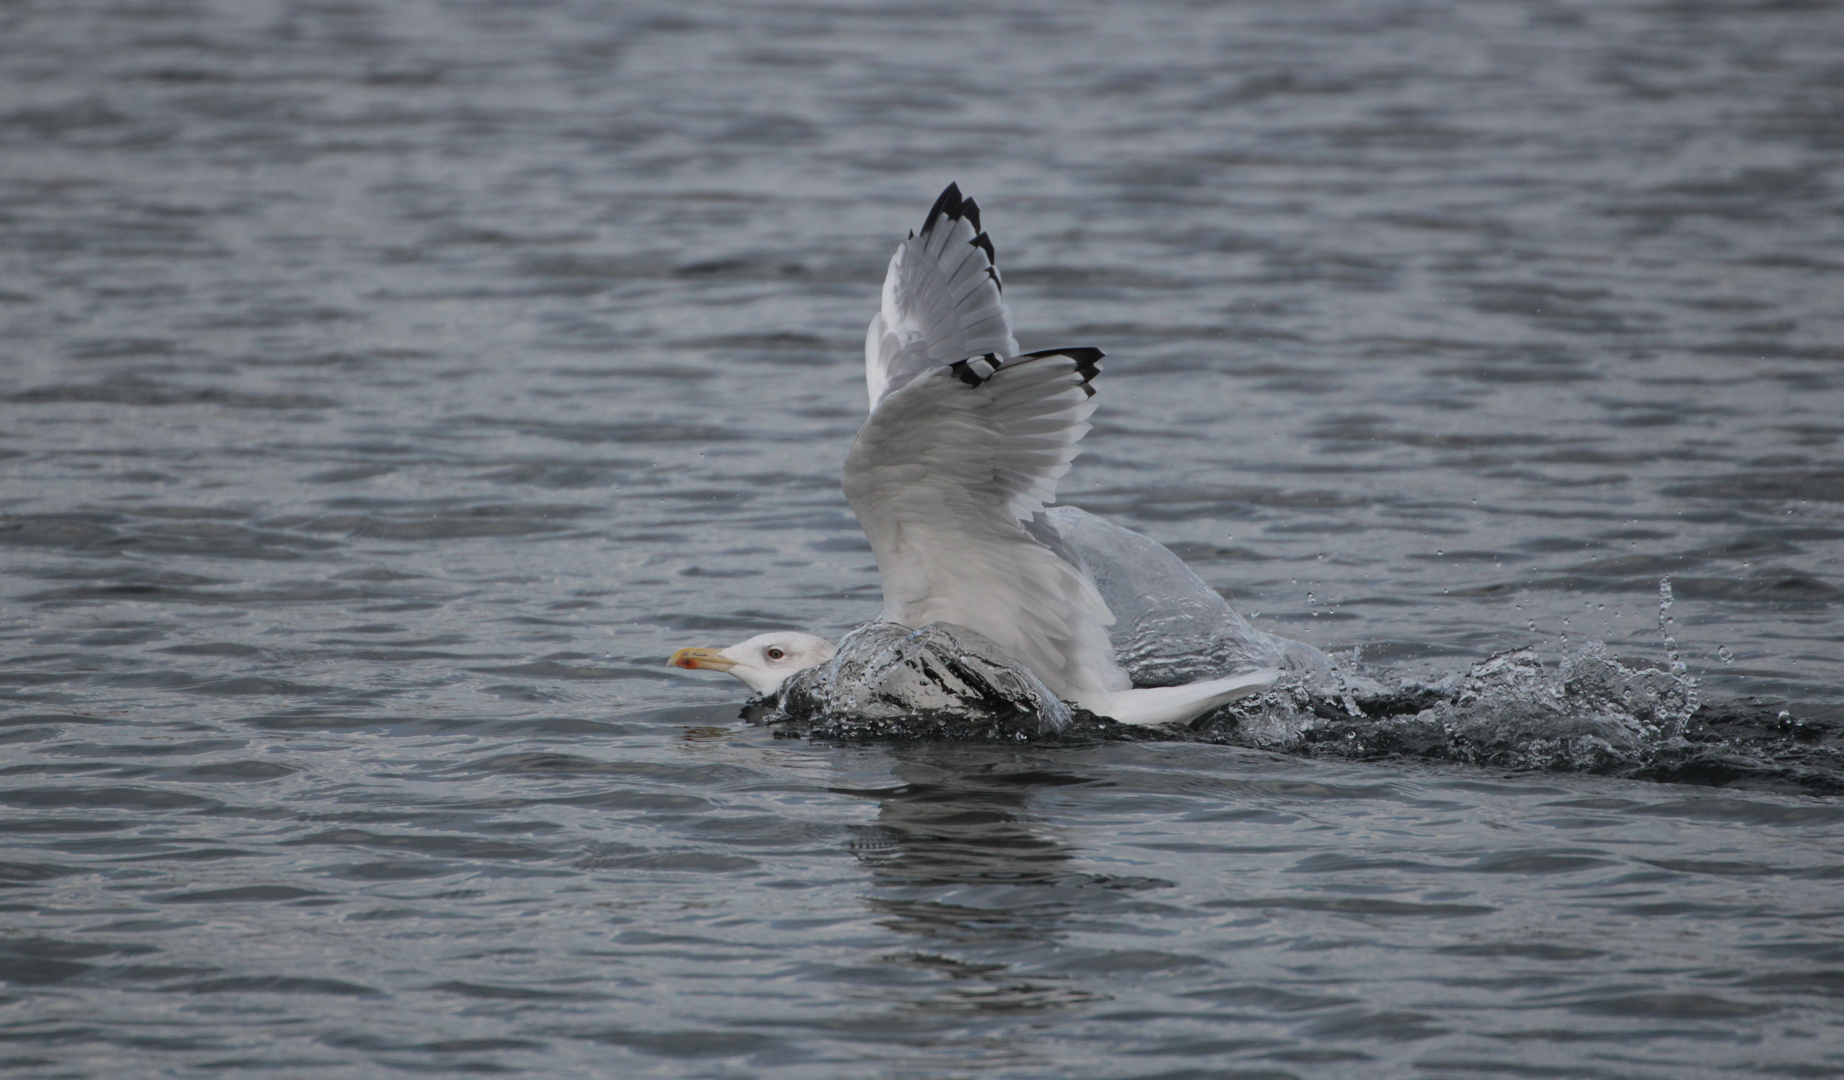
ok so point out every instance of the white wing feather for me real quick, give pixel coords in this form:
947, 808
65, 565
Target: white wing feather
965, 443
944, 474
942, 301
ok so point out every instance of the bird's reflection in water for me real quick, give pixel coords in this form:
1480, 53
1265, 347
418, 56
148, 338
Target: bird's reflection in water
988, 890
957, 816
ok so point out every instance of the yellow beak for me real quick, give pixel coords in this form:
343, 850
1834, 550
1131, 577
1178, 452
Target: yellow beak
712, 659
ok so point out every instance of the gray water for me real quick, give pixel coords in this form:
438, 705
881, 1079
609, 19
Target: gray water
386, 389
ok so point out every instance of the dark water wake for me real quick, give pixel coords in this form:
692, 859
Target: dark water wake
1590, 714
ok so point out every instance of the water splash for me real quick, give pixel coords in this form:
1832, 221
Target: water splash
1587, 712
1591, 713
1679, 670
1345, 696
941, 681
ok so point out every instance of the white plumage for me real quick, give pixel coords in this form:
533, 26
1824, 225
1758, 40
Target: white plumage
965, 444
963, 449
943, 477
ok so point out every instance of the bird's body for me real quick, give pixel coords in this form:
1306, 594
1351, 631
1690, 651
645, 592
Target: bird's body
952, 471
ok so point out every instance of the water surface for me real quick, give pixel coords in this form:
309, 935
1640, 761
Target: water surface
387, 388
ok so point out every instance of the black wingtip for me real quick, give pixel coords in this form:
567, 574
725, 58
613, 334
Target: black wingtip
1088, 362
984, 243
971, 211
975, 370
949, 203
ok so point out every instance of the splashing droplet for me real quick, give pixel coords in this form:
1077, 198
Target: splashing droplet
1665, 623
1345, 696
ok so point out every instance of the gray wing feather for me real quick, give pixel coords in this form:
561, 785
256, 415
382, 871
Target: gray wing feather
942, 301
944, 476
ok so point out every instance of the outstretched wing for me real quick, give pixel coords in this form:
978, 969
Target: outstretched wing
943, 477
941, 300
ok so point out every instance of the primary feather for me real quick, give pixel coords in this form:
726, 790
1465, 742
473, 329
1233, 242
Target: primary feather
942, 300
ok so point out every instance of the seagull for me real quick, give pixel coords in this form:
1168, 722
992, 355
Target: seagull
951, 475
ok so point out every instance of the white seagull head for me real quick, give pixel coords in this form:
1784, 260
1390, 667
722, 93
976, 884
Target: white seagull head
763, 661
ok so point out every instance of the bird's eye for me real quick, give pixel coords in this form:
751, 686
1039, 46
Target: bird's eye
775, 654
